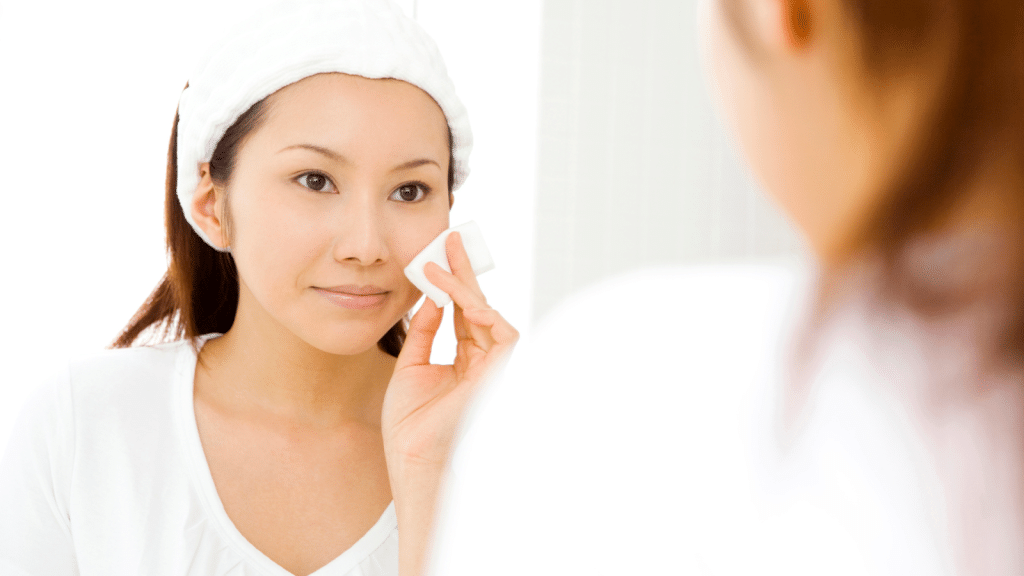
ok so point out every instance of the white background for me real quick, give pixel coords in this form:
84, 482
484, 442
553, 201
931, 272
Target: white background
87, 95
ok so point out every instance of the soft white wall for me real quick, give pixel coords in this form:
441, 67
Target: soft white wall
89, 92
635, 167
88, 95
492, 52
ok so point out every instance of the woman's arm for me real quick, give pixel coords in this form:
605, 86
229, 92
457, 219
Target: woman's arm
35, 478
425, 402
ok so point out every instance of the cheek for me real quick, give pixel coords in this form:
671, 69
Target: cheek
748, 104
415, 232
270, 237
731, 76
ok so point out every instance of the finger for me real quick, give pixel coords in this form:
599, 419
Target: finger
478, 333
458, 260
462, 270
505, 336
461, 294
499, 330
420, 339
460, 324
465, 298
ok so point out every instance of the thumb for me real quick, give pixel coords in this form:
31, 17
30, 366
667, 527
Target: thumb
422, 329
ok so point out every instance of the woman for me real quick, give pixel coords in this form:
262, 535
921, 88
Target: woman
888, 437
296, 424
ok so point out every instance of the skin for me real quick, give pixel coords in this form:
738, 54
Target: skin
823, 135
826, 137
309, 429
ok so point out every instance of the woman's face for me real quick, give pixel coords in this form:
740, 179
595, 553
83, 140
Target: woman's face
345, 180
822, 135
783, 111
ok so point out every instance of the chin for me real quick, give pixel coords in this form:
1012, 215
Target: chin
346, 340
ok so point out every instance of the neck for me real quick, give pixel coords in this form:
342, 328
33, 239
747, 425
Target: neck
264, 369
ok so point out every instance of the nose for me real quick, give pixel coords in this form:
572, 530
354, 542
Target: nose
360, 232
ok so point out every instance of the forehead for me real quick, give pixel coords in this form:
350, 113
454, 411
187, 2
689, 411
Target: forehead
345, 111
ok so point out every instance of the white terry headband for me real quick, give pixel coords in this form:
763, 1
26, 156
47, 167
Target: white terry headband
291, 40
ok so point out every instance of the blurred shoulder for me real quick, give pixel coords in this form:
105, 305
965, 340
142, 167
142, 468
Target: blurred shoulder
631, 412
718, 283
677, 351
679, 291
698, 313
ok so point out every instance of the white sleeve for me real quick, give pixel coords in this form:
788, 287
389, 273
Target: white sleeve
617, 441
635, 435
570, 461
35, 481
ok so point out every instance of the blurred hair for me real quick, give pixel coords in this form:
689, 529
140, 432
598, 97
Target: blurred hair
979, 112
199, 292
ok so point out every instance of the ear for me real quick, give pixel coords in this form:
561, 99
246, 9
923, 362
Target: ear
207, 208
799, 22
787, 24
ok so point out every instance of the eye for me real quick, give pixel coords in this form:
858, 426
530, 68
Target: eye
316, 182
413, 192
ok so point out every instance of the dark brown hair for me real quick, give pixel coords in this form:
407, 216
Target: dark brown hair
979, 112
199, 292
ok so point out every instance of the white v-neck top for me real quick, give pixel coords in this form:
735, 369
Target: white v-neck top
105, 475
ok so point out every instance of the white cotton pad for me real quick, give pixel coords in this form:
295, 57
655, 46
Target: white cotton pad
479, 258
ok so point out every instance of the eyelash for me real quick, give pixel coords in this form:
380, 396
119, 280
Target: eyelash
424, 189
330, 184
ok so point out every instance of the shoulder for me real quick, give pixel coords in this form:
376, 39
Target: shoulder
126, 389
631, 411
102, 388
722, 290
121, 364
669, 353
126, 371
687, 319
101, 376
645, 411
679, 301
715, 281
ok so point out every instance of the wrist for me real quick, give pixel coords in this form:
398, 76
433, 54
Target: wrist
417, 459
416, 486
405, 470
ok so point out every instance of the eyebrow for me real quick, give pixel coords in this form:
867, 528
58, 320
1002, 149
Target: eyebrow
319, 150
415, 164
342, 160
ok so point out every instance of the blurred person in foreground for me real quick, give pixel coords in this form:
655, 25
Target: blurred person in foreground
864, 417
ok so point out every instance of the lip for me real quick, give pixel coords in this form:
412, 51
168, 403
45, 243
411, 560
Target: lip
354, 297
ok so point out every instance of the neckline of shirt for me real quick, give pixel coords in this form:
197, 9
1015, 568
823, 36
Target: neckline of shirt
202, 479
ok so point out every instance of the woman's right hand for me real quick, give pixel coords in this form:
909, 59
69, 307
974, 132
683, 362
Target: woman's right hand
425, 402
